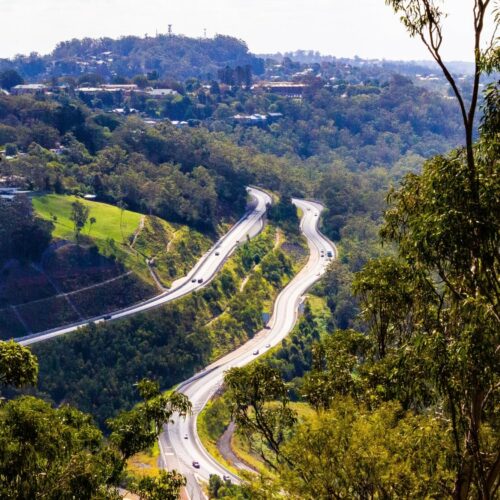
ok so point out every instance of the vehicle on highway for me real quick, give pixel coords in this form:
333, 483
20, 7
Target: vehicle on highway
315, 215
196, 464
226, 478
217, 253
200, 280
108, 316
329, 253
201, 387
185, 436
252, 227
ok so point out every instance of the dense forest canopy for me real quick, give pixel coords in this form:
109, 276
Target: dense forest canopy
59, 452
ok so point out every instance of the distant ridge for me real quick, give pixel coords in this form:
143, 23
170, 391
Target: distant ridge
171, 56
312, 56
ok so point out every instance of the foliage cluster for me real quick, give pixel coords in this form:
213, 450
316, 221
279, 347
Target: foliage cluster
409, 407
59, 453
23, 235
96, 368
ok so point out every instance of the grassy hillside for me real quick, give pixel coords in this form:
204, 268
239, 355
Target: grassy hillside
112, 232
106, 270
172, 249
109, 221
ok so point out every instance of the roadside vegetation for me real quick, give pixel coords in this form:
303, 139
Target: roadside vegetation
145, 463
171, 249
101, 363
59, 452
292, 359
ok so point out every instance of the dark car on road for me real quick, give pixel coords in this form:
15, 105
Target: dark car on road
196, 464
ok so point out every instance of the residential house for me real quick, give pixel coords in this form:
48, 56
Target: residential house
30, 88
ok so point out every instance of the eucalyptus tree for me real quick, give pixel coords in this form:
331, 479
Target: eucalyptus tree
59, 453
411, 408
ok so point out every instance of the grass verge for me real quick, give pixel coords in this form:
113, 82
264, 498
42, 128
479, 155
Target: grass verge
145, 463
209, 435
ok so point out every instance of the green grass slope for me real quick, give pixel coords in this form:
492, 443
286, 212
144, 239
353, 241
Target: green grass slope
112, 232
95, 271
173, 249
109, 220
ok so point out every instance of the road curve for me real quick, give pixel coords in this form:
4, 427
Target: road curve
179, 443
205, 269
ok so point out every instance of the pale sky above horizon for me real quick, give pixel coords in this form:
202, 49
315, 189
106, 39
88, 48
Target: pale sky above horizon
343, 28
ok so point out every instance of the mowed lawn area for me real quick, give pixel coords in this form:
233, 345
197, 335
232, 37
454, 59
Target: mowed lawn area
107, 218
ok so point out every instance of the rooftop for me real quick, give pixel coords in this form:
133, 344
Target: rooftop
30, 86
162, 92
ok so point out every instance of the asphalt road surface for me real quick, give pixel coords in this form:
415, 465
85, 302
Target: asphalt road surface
179, 443
205, 269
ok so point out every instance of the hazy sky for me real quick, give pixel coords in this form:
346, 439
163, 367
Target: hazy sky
367, 28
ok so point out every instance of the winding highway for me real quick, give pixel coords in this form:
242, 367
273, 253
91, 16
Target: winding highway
205, 269
180, 445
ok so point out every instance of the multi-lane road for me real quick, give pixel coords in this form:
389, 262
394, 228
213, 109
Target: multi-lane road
206, 268
180, 444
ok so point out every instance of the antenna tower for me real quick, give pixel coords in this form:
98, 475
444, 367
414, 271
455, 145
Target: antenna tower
169, 30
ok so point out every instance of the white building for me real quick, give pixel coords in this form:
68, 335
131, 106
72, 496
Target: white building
30, 88
159, 93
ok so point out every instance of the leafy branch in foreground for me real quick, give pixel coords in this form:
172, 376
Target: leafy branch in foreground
164, 487
423, 18
259, 404
58, 453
